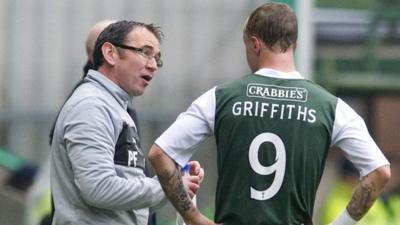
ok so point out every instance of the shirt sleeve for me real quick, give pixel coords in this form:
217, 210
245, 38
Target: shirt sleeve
189, 129
351, 135
89, 133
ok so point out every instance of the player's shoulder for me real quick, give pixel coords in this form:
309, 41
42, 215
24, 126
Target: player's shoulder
318, 91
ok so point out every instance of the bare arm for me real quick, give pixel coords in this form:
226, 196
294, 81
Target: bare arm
367, 191
365, 194
171, 181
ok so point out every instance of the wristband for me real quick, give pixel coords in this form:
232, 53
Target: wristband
344, 219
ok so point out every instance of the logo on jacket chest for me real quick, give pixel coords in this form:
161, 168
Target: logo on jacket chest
127, 149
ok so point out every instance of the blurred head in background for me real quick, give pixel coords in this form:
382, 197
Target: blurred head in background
94, 32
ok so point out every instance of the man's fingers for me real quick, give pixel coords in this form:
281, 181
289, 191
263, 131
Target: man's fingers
201, 175
191, 184
196, 170
193, 187
194, 167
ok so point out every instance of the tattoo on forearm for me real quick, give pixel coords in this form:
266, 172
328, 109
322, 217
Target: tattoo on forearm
173, 187
363, 198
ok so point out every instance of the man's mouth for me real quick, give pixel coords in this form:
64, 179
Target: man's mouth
147, 78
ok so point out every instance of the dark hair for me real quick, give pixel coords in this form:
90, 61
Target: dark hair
117, 33
274, 23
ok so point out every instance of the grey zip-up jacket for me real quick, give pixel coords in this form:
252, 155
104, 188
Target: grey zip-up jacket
97, 174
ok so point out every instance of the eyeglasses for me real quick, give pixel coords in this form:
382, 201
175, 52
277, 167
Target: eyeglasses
145, 51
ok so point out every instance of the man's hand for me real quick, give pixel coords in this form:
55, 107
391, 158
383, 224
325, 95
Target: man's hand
196, 170
193, 180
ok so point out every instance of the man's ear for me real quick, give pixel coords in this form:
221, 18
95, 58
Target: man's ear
110, 53
255, 44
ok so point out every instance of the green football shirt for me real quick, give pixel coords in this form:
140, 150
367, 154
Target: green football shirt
273, 131
272, 137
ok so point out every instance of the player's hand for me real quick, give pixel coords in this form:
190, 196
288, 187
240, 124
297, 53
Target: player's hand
196, 170
192, 184
193, 179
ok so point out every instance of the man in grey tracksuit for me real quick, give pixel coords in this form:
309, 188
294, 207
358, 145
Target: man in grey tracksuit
97, 174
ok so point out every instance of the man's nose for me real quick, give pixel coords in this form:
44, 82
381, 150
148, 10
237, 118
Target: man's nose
152, 64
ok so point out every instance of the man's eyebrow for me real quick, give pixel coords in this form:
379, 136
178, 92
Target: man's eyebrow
152, 48
147, 46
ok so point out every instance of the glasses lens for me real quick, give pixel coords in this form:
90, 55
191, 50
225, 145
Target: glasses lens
144, 51
149, 53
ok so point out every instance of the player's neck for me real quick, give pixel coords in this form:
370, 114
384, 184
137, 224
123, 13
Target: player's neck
278, 61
